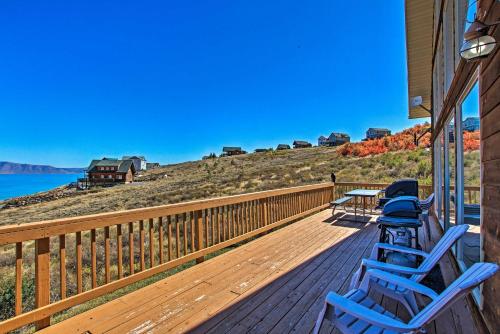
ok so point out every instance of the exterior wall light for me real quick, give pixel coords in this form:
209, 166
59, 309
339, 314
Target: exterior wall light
477, 43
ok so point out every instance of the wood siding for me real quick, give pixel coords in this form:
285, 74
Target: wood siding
489, 88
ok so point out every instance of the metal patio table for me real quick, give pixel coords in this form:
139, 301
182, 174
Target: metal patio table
364, 194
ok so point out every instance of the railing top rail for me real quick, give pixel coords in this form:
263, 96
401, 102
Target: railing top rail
362, 184
37, 230
369, 184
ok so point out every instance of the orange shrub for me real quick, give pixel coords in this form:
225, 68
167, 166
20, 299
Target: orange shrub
404, 140
471, 141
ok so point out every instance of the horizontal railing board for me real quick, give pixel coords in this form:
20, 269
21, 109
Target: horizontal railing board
32, 231
213, 224
48, 310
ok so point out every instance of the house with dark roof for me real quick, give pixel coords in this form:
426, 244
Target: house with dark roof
374, 133
338, 138
301, 144
230, 150
263, 150
152, 165
139, 161
283, 147
471, 124
323, 141
334, 139
110, 171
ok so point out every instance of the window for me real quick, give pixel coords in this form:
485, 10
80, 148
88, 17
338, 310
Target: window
440, 77
448, 43
470, 165
118, 177
438, 178
443, 157
451, 175
102, 176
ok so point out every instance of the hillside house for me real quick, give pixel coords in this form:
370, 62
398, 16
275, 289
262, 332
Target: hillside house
139, 161
152, 165
471, 124
301, 144
375, 133
335, 139
262, 150
322, 141
283, 147
229, 151
110, 171
338, 138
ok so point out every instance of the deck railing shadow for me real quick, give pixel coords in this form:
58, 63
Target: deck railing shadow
295, 297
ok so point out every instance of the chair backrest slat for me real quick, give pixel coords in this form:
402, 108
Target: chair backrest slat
475, 275
440, 249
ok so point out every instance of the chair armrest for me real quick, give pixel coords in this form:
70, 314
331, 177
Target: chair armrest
402, 282
394, 268
395, 248
366, 314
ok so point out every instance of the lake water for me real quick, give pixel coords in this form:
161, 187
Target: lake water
13, 185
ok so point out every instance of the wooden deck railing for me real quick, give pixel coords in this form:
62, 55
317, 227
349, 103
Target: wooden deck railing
166, 236
128, 246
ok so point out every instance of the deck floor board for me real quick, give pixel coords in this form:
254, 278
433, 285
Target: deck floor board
275, 283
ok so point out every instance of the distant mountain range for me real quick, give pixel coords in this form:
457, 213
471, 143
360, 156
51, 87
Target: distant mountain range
16, 168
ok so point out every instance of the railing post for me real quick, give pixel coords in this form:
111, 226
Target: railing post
265, 211
198, 216
301, 198
42, 278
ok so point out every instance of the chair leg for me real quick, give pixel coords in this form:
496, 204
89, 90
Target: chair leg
320, 319
412, 304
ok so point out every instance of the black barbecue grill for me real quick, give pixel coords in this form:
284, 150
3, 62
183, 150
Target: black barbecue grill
404, 187
399, 217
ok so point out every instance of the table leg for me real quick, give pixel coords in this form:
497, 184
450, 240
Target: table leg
355, 206
364, 206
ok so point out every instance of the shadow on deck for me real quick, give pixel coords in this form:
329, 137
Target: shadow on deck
274, 284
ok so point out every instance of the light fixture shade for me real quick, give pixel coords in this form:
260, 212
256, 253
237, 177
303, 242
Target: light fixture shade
477, 47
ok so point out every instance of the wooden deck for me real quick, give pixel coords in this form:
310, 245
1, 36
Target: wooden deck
274, 284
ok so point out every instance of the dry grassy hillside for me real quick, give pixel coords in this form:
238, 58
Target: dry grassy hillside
230, 175
195, 180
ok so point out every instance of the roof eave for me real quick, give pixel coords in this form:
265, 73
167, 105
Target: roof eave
419, 25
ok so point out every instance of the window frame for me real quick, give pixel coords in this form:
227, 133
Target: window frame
477, 293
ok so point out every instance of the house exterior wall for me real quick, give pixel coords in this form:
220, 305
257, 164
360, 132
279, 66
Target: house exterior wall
129, 177
137, 164
452, 77
489, 92
106, 177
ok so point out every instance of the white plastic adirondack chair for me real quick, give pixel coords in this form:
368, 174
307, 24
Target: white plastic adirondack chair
403, 295
357, 313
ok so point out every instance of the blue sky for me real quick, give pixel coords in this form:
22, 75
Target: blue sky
174, 80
